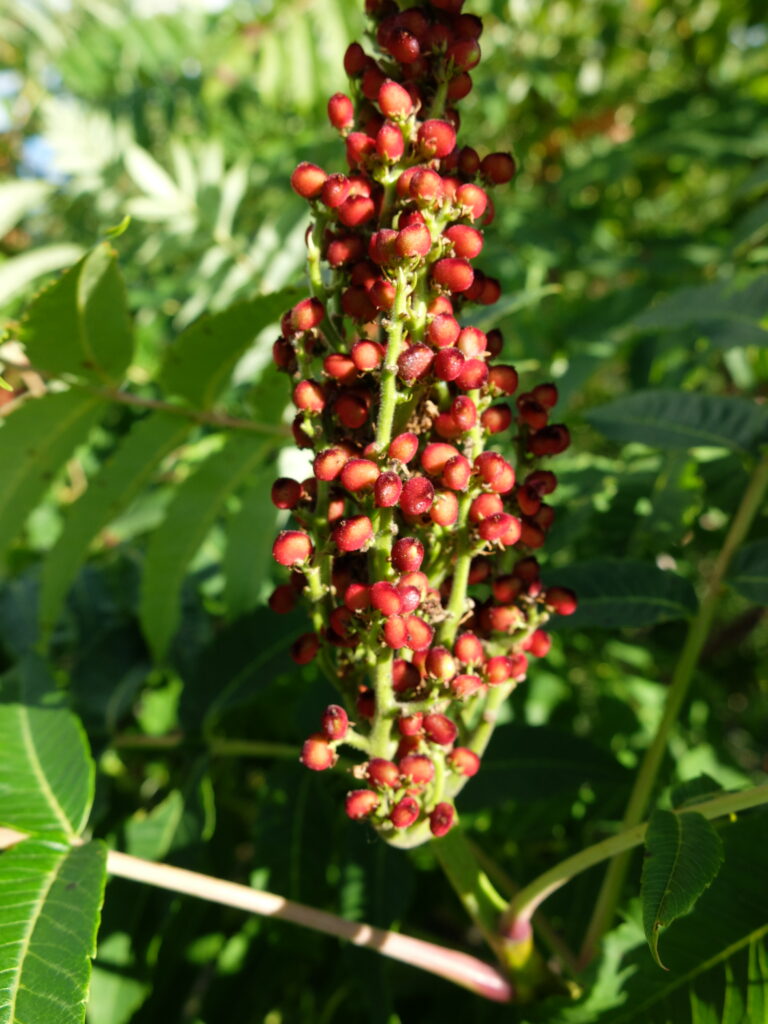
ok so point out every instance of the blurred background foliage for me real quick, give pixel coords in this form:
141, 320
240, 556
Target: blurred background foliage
633, 253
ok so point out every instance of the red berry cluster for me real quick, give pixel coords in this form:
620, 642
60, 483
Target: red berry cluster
413, 540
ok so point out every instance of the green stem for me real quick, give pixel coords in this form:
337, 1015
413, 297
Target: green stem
471, 884
525, 903
698, 631
388, 383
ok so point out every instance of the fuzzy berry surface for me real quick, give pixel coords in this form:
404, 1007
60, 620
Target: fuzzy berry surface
416, 540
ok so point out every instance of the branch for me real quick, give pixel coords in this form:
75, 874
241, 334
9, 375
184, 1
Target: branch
525, 903
449, 964
205, 416
698, 631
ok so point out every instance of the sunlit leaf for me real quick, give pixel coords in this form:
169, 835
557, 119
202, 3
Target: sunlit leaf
50, 898
122, 477
35, 442
80, 324
46, 773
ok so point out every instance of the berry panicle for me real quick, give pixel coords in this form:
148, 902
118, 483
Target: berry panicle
414, 542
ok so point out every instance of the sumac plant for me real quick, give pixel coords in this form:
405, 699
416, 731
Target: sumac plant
420, 724
416, 539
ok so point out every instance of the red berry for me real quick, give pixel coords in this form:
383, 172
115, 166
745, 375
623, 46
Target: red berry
292, 547
360, 803
410, 725
550, 441
286, 493
415, 362
445, 508
383, 773
404, 813
472, 342
282, 600
467, 241
390, 144
441, 819
341, 112
418, 768
336, 189
436, 138
473, 199
387, 490
472, 375
317, 753
561, 600
352, 534
418, 633
424, 185
546, 395
405, 675
468, 649
335, 722
496, 419
394, 100
395, 633
329, 463
351, 410
485, 505
464, 686
407, 554
448, 363
435, 456
357, 597
403, 447
453, 274
443, 330
464, 761
503, 378
367, 355
456, 473
414, 240
355, 60
359, 475
385, 598
306, 314
464, 412
304, 648
440, 729
498, 168
308, 180
539, 643
417, 496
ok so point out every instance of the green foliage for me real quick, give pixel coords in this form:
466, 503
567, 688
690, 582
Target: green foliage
136, 523
683, 855
41, 790
49, 909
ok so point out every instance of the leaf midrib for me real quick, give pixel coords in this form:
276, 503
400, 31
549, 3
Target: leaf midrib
27, 938
37, 769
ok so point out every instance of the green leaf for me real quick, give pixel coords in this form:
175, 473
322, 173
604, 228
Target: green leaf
757, 982
615, 593
46, 771
193, 511
683, 856
122, 477
682, 419
248, 555
80, 324
201, 360
35, 442
20, 271
116, 993
50, 898
708, 304
749, 572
